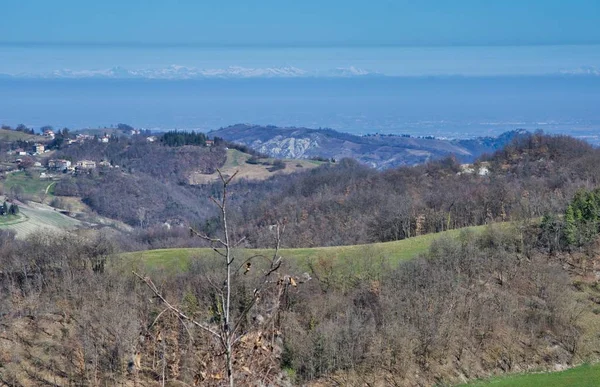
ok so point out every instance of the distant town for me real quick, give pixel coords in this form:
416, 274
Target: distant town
29, 150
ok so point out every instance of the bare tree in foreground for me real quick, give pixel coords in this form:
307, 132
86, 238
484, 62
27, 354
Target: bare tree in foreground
229, 331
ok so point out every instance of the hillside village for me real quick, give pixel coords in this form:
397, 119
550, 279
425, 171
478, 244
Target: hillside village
36, 153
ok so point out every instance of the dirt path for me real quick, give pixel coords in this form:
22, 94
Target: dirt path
48, 187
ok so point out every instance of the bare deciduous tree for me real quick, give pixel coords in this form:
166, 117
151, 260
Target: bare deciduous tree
229, 331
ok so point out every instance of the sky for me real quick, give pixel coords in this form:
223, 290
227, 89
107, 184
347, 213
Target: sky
305, 22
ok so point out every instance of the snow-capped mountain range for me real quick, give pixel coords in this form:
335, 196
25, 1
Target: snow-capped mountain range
177, 72
584, 70
183, 72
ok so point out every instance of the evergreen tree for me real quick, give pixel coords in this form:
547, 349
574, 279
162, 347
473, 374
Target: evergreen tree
570, 226
14, 209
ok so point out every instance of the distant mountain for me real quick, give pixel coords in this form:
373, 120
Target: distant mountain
585, 70
378, 151
184, 72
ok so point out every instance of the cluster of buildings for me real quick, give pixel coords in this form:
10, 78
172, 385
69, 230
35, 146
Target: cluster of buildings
36, 149
81, 165
49, 133
482, 169
66, 166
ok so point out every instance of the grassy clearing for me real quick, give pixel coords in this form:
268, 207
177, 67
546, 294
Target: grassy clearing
343, 258
30, 184
582, 376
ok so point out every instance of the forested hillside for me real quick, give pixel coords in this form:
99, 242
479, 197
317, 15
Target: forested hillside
144, 183
348, 203
335, 204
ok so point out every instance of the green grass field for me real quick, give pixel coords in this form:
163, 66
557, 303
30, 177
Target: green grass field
582, 376
31, 184
349, 257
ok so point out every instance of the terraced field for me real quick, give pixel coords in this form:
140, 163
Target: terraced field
35, 217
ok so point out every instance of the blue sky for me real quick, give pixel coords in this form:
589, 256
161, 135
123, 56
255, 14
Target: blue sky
307, 22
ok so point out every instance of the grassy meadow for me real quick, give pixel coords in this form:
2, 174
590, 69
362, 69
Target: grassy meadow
30, 183
34, 217
342, 258
582, 376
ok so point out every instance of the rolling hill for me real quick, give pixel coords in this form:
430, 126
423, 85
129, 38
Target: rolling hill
348, 257
583, 376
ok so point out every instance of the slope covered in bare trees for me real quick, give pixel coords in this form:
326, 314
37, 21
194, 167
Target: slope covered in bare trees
509, 299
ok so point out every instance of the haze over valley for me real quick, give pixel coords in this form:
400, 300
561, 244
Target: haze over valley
452, 92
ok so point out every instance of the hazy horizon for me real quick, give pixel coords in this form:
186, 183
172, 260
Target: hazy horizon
454, 107
433, 67
54, 60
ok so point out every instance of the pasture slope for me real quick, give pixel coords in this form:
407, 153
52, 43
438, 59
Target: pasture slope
173, 260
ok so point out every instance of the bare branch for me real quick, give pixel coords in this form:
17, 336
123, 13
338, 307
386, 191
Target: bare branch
219, 252
179, 313
240, 241
217, 289
249, 259
206, 237
157, 317
274, 268
228, 180
275, 265
220, 205
186, 329
246, 310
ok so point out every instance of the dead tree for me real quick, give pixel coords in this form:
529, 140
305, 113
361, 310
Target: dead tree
228, 332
